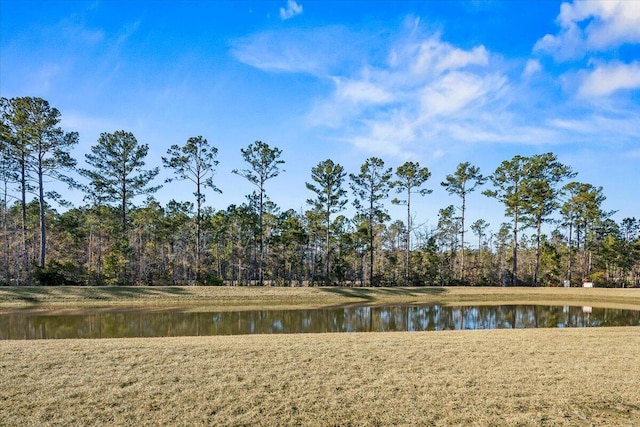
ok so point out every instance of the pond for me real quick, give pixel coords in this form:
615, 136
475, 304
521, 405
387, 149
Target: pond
25, 325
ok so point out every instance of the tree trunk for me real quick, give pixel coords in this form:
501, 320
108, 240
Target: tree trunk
371, 242
43, 231
514, 278
261, 256
407, 240
570, 252
327, 248
536, 271
5, 230
125, 238
585, 254
462, 276
197, 254
198, 223
23, 206
99, 266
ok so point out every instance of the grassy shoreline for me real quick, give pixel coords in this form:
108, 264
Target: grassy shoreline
529, 377
241, 298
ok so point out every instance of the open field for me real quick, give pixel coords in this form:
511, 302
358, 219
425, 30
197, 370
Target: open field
235, 298
567, 377
500, 377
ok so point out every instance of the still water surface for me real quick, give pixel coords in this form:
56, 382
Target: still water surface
30, 326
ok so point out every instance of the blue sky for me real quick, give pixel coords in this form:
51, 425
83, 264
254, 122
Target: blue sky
438, 82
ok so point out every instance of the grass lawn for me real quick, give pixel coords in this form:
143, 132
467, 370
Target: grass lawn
570, 377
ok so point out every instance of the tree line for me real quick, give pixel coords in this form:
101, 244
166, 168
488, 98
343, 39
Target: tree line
111, 240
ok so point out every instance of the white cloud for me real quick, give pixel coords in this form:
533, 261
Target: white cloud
292, 10
457, 92
532, 67
431, 56
356, 92
593, 25
576, 126
610, 78
458, 58
416, 100
416, 94
391, 137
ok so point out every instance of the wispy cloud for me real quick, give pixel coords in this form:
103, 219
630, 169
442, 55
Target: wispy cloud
458, 93
413, 92
267, 52
291, 10
128, 31
618, 128
315, 51
416, 94
410, 102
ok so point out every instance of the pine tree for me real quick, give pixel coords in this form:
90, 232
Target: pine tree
370, 187
542, 192
264, 164
410, 178
508, 180
465, 180
117, 162
196, 162
42, 149
329, 200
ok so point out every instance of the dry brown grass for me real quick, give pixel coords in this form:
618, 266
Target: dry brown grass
233, 298
500, 377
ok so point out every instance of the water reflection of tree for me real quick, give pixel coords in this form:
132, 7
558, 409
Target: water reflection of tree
351, 319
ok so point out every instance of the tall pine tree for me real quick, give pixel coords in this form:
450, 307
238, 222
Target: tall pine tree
264, 163
370, 187
410, 178
117, 162
464, 180
329, 178
196, 162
